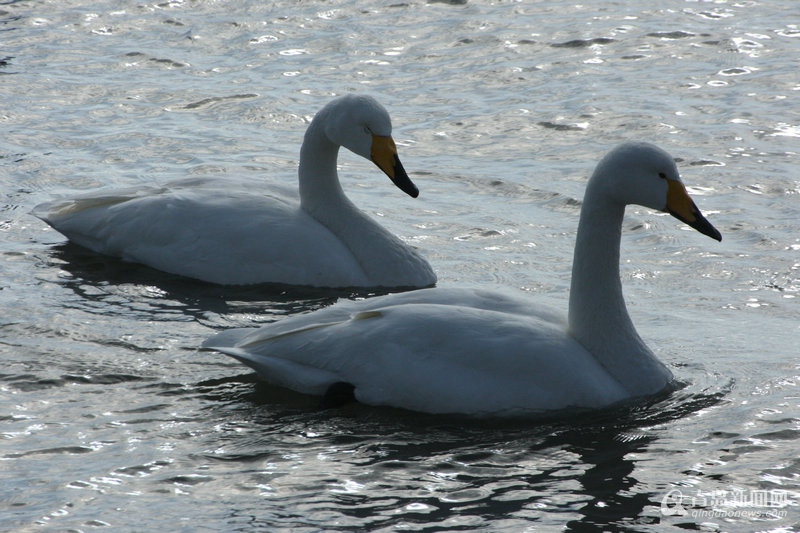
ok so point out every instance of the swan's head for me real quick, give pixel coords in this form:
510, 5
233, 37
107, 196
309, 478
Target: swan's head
362, 125
644, 174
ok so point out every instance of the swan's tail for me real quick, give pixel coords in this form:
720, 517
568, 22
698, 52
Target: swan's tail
274, 369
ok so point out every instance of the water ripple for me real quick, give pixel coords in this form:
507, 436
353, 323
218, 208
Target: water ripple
113, 418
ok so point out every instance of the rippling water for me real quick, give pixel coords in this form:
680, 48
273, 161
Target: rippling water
111, 418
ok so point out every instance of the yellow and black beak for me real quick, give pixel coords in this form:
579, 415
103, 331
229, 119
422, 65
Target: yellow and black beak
384, 154
682, 207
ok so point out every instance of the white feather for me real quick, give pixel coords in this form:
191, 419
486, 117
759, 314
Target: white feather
230, 233
486, 353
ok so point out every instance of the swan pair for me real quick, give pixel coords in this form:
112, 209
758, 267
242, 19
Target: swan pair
478, 352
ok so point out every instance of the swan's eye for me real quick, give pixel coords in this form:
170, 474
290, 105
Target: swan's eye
662, 175
367, 130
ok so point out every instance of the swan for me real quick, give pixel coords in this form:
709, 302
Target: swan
231, 235
482, 352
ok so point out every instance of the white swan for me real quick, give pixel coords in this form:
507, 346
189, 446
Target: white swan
222, 234
483, 352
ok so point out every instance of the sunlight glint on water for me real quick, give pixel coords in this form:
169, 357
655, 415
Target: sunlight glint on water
111, 416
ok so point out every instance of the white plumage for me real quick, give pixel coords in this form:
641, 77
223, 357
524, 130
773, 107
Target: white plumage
223, 232
489, 353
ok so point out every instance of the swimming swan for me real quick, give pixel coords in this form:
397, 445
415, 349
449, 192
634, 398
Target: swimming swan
222, 234
479, 352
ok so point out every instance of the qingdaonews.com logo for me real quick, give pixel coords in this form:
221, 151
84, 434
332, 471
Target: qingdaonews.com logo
727, 503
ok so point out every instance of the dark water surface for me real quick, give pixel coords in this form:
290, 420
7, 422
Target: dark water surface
110, 416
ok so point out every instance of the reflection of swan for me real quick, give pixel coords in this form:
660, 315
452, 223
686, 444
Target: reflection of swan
489, 353
229, 236
107, 285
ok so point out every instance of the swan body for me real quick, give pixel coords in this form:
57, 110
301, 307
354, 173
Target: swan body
222, 234
490, 353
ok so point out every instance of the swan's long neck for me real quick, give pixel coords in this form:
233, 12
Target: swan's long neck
383, 258
321, 194
598, 318
319, 181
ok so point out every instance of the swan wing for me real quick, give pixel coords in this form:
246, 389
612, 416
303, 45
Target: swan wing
433, 356
226, 237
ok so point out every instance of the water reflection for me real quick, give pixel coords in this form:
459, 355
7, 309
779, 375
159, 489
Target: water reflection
105, 283
379, 467
615, 496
